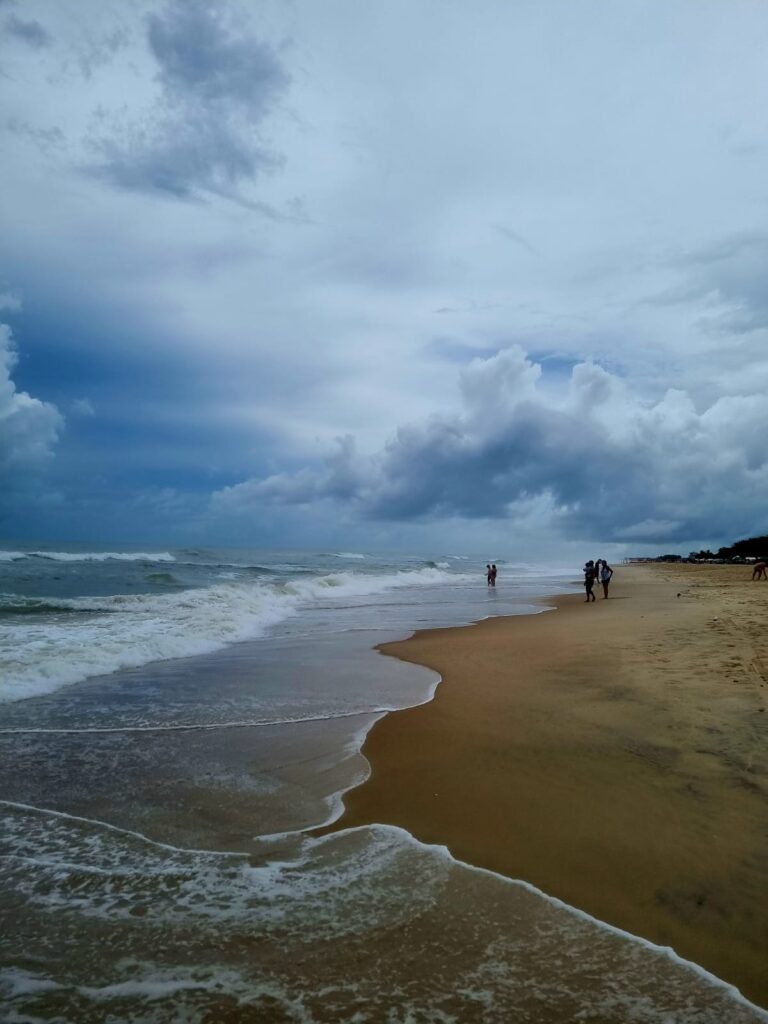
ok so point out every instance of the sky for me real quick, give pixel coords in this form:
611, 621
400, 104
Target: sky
414, 275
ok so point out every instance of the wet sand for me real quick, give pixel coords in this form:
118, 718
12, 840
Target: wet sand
612, 754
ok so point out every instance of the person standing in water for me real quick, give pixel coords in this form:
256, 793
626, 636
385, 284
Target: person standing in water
494, 570
488, 574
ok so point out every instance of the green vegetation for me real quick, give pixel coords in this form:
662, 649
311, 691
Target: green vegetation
752, 547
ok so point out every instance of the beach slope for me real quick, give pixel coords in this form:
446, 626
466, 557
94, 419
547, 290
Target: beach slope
611, 754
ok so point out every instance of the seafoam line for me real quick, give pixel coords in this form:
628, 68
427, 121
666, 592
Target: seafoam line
201, 726
121, 831
666, 951
198, 727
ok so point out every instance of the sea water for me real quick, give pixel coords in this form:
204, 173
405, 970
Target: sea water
172, 725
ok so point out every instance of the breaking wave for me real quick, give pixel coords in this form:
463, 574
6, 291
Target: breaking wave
98, 556
129, 630
11, 556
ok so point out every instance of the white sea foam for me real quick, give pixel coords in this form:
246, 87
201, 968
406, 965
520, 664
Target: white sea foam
16, 982
355, 584
161, 984
99, 556
343, 892
349, 554
128, 630
244, 723
11, 556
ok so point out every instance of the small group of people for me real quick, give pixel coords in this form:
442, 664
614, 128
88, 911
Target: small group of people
597, 572
490, 575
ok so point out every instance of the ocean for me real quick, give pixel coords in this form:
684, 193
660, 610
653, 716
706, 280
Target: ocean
175, 723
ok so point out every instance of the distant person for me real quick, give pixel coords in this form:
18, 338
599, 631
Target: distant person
489, 574
605, 576
589, 580
760, 571
494, 571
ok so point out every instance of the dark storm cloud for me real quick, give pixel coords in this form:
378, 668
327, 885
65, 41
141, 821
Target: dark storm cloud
199, 59
602, 462
216, 90
28, 31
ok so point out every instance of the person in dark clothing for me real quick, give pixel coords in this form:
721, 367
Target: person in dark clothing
589, 580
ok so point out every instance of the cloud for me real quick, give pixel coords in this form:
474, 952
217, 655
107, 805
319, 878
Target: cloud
82, 407
728, 278
9, 299
29, 428
604, 463
94, 54
30, 32
47, 140
202, 134
343, 478
218, 348
198, 58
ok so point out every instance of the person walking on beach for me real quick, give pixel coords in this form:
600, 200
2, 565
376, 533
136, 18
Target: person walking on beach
605, 576
760, 572
589, 580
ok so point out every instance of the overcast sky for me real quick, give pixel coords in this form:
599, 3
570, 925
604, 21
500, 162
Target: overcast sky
403, 275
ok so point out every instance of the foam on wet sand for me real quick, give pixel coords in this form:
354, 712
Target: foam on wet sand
613, 755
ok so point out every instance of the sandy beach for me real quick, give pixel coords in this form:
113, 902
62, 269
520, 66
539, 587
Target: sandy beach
612, 754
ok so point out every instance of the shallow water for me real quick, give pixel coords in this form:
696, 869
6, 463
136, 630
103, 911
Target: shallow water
365, 925
155, 867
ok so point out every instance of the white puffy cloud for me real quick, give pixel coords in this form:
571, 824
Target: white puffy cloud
29, 428
602, 462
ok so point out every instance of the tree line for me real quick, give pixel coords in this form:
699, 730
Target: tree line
751, 547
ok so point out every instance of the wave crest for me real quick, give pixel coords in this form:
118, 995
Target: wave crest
100, 556
129, 630
11, 556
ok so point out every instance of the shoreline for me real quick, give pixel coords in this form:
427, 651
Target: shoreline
609, 756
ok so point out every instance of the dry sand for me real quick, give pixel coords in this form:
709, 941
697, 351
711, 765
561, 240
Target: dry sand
612, 754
